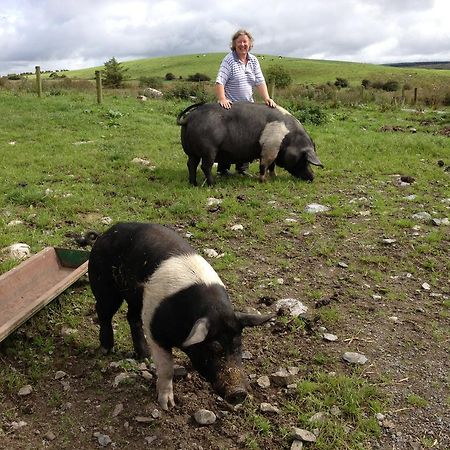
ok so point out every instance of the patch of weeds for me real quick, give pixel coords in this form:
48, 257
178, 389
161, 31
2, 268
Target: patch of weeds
329, 316
321, 359
55, 399
11, 379
251, 443
260, 424
428, 441
417, 401
347, 401
27, 196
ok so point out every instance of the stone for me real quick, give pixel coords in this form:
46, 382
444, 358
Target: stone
143, 419
439, 222
315, 208
152, 93
303, 435
60, 374
330, 337
267, 407
263, 381
18, 250
204, 417
354, 358
318, 417
282, 378
296, 308
14, 223
423, 216
120, 378
50, 436
117, 410
25, 390
103, 439
211, 253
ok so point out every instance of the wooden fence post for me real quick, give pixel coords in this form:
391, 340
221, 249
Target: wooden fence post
98, 82
38, 81
415, 96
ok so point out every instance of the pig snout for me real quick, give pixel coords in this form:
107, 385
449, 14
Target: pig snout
236, 396
232, 385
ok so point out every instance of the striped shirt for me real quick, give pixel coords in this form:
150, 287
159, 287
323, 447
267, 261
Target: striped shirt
239, 78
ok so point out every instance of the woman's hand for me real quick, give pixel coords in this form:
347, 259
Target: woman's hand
270, 102
225, 103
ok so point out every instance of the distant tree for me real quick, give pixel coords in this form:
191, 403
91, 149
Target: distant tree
198, 77
391, 86
341, 82
278, 76
113, 74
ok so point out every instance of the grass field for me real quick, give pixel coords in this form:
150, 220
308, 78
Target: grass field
302, 71
67, 166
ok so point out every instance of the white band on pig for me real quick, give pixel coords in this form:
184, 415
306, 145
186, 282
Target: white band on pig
173, 275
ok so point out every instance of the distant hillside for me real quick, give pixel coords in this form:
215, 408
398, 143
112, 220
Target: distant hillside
445, 65
302, 71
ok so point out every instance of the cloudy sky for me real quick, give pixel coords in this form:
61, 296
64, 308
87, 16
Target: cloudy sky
75, 34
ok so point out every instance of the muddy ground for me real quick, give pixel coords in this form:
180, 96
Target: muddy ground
399, 323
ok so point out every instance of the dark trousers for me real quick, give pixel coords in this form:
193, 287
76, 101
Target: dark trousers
224, 166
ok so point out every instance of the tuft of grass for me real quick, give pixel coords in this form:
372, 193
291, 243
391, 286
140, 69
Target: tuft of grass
417, 401
348, 403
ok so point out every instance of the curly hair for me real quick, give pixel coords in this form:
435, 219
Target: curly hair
240, 33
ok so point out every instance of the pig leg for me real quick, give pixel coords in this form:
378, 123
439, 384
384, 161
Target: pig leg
163, 360
207, 163
268, 156
107, 304
272, 172
137, 332
193, 162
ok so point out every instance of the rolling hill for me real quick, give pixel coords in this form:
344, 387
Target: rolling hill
302, 71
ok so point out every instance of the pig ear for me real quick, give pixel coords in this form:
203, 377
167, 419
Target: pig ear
252, 320
198, 333
312, 157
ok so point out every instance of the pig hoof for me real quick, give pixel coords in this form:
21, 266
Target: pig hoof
237, 396
166, 401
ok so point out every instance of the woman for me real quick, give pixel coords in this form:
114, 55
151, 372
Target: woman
239, 73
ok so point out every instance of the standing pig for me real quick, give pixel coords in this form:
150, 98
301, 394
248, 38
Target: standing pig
243, 133
175, 299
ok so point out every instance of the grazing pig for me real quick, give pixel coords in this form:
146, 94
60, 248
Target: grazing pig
175, 299
246, 132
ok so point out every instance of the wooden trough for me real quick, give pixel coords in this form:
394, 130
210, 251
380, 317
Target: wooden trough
27, 288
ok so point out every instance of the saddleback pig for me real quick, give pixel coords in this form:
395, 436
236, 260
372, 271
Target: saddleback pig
175, 299
243, 133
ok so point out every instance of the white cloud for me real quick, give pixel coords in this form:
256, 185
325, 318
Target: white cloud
80, 33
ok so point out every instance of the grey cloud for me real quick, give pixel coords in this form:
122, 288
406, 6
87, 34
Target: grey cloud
76, 32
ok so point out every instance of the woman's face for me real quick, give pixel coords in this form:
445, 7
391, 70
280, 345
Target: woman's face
242, 44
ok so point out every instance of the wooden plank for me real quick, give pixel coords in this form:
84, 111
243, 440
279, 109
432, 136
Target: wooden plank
30, 286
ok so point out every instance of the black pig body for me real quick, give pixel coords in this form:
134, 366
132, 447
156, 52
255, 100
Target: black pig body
175, 299
243, 133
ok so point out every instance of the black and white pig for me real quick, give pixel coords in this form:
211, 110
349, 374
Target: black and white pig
175, 299
243, 133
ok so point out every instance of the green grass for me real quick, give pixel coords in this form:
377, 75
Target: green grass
71, 165
301, 70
